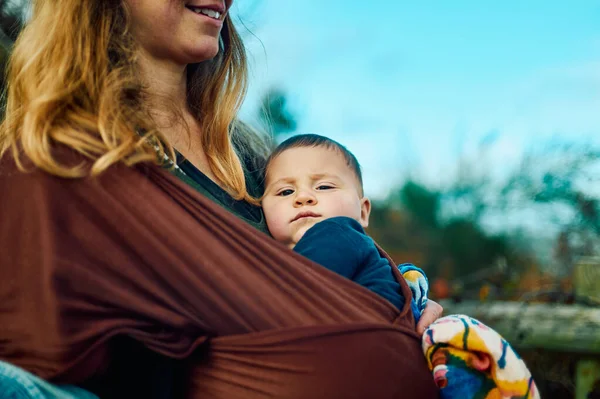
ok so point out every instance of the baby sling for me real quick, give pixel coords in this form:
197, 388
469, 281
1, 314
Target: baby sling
137, 253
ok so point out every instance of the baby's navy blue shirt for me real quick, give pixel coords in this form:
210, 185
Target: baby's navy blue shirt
341, 245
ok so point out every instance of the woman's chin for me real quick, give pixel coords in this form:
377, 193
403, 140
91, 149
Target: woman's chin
205, 52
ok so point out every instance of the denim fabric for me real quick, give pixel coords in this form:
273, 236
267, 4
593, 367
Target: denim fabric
16, 383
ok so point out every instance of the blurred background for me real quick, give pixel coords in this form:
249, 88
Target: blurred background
477, 125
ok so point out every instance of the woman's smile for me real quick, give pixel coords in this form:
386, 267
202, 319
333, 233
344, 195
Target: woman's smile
214, 12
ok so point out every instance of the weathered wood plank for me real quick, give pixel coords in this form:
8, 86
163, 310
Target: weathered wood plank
586, 281
587, 376
567, 328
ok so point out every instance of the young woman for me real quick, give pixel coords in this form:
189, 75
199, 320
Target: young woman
131, 262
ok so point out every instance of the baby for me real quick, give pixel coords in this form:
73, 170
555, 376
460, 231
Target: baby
314, 203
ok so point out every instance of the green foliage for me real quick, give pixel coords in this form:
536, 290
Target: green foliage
421, 203
274, 112
470, 248
13, 14
561, 175
409, 221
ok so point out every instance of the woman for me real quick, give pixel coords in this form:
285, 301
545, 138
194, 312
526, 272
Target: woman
118, 276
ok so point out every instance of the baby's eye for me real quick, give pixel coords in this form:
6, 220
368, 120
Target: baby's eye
285, 193
325, 187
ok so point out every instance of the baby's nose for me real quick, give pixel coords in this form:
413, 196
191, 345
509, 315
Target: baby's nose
305, 198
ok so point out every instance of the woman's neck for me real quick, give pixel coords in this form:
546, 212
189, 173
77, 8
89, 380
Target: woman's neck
165, 86
167, 103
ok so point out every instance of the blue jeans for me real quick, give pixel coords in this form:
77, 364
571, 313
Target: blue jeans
16, 383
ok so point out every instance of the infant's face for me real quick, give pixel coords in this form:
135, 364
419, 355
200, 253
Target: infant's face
306, 185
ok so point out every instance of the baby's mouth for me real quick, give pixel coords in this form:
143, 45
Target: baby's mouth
305, 214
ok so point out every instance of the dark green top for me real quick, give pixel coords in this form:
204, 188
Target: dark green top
247, 212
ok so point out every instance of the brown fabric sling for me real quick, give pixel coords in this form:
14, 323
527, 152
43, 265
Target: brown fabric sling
138, 253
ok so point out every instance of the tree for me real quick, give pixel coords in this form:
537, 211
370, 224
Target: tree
275, 114
13, 14
558, 179
454, 247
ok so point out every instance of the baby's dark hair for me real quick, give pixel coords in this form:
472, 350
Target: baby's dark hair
315, 140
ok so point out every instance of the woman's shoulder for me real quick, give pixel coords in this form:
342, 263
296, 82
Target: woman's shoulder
20, 173
17, 165
21, 177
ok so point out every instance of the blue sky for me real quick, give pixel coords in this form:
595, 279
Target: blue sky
410, 86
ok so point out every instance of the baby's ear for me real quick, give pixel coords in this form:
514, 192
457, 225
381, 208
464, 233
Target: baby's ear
365, 212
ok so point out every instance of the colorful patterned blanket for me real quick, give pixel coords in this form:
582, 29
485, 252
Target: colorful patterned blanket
418, 284
468, 359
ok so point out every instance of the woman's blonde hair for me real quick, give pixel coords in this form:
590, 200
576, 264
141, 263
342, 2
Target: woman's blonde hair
72, 82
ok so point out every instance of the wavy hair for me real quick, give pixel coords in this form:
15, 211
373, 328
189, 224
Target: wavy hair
72, 82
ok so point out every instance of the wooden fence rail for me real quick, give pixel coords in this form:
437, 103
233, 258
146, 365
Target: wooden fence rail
567, 328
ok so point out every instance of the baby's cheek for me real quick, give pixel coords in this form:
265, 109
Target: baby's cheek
277, 228
349, 208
